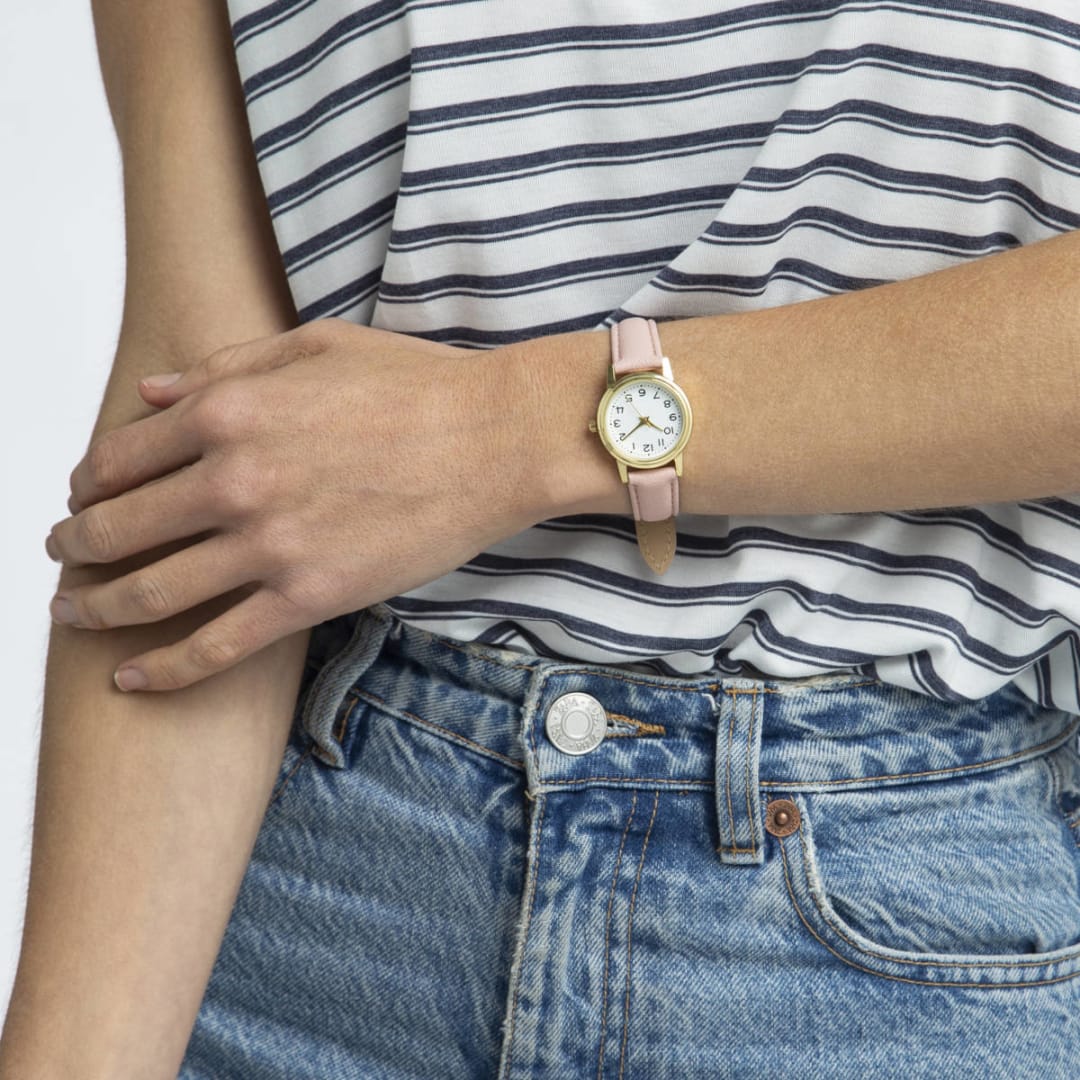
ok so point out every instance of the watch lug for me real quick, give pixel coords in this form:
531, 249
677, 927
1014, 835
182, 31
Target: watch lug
665, 368
678, 464
611, 375
622, 471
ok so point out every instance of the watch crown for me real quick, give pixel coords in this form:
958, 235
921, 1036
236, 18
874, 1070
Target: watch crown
592, 425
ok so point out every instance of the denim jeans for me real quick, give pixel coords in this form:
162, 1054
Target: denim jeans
483, 863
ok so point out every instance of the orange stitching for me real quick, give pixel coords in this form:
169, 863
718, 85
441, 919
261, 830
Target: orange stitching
534, 864
607, 937
901, 978
393, 711
630, 933
292, 772
839, 931
644, 728
340, 733
1032, 750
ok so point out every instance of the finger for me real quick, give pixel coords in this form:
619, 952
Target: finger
161, 589
255, 622
134, 454
169, 508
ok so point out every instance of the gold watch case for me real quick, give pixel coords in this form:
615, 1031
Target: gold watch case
667, 383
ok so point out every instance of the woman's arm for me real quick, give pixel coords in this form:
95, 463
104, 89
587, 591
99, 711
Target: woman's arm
956, 387
148, 805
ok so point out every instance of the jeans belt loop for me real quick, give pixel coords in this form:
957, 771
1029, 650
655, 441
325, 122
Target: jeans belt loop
739, 715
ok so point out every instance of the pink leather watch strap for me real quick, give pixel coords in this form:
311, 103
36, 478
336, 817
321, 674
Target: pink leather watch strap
654, 493
635, 345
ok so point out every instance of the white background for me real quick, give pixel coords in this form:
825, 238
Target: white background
61, 294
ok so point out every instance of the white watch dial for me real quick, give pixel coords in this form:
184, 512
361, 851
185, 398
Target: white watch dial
644, 419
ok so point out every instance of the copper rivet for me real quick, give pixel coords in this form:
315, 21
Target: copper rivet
781, 817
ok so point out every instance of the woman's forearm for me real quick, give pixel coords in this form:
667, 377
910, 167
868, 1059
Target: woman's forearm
147, 809
148, 804
956, 387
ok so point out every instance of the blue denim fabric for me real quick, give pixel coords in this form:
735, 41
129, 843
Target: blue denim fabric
438, 890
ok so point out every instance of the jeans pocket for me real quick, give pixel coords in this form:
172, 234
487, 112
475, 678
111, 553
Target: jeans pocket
969, 880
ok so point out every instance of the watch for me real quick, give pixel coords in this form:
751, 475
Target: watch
644, 421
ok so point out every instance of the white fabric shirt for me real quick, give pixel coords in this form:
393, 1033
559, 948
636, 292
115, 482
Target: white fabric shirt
481, 173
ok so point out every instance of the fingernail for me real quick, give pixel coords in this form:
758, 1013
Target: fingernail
157, 382
62, 609
130, 678
50, 548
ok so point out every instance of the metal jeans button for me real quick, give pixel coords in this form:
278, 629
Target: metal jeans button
576, 723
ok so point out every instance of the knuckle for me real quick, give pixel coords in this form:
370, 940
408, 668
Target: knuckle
279, 544
94, 535
310, 339
89, 616
148, 597
221, 410
301, 593
212, 651
220, 362
236, 486
101, 462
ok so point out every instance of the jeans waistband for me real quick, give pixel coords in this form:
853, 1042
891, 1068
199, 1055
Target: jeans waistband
750, 735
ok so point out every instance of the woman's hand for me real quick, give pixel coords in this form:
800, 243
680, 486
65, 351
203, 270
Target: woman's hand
319, 471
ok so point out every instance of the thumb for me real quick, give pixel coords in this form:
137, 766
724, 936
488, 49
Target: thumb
248, 357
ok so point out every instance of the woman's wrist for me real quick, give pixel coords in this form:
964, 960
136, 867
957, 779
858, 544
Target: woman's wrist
550, 389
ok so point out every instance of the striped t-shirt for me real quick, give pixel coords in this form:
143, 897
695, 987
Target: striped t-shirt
479, 172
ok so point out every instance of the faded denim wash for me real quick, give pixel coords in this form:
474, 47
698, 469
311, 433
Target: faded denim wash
438, 890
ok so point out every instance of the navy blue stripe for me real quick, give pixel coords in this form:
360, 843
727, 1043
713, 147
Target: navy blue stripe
573, 155
626, 208
346, 296
339, 234
792, 121
537, 277
742, 78
764, 630
858, 230
267, 15
355, 25
757, 17
350, 163
852, 555
359, 91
